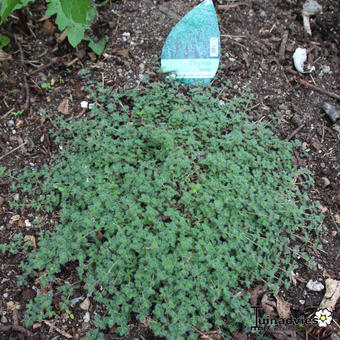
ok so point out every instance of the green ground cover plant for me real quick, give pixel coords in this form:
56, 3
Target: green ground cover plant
171, 205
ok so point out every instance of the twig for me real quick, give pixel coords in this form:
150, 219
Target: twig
294, 132
60, 331
7, 113
18, 147
16, 328
233, 5
283, 46
27, 101
319, 89
54, 60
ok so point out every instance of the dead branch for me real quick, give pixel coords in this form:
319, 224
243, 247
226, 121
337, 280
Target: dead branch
27, 101
283, 46
319, 89
296, 131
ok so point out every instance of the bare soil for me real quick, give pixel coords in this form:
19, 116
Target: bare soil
252, 33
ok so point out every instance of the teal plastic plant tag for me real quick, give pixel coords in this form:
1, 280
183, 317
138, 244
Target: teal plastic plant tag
192, 50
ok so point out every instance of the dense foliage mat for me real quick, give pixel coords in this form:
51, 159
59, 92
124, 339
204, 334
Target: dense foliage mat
171, 204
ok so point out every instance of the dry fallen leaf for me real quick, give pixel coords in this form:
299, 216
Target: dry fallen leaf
332, 295
254, 295
63, 107
123, 53
48, 28
15, 218
12, 305
283, 307
268, 305
4, 56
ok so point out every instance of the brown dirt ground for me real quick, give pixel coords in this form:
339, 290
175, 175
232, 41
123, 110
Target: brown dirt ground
252, 32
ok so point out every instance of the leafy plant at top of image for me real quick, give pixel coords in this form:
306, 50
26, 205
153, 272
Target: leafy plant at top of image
171, 205
74, 16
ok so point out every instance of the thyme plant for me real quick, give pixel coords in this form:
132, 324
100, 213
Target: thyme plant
171, 205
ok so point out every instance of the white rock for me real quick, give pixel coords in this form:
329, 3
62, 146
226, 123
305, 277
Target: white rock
326, 69
84, 104
315, 286
302, 302
10, 122
5, 295
86, 317
299, 58
325, 181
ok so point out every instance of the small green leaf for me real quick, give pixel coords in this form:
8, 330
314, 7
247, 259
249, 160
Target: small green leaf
98, 47
4, 41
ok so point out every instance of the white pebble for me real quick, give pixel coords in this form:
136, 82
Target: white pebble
86, 317
315, 286
28, 223
84, 104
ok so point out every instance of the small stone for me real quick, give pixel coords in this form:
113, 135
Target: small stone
5, 295
28, 223
3, 319
84, 104
86, 317
315, 286
142, 66
302, 302
85, 305
10, 122
14, 132
325, 69
325, 182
